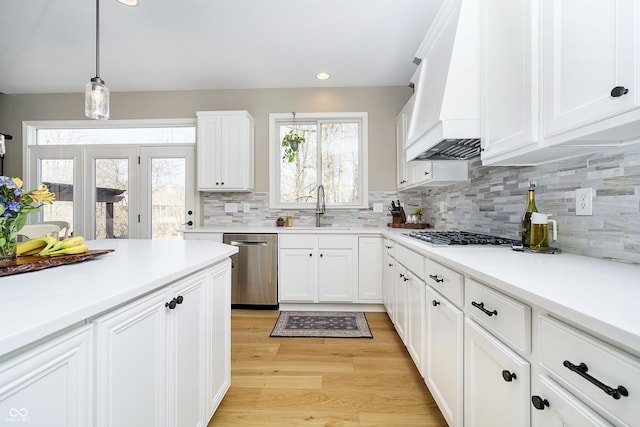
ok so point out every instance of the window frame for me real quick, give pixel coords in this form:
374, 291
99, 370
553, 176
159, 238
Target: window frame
275, 157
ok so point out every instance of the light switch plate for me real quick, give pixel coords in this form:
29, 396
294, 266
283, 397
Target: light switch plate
377, 207
231, 207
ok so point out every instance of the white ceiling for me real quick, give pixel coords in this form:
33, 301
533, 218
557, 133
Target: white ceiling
48, 46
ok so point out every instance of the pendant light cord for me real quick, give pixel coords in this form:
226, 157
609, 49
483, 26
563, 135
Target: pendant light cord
98, 38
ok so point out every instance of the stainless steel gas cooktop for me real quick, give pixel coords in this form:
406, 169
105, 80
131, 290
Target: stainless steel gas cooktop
448, 238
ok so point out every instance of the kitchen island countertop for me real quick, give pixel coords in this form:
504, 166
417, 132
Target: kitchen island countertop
40, 303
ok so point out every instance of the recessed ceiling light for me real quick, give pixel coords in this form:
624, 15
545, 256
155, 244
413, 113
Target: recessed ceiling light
129, 2
322, 76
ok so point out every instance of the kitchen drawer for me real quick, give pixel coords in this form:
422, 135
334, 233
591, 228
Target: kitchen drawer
389, 247
296, 241
508, 319
410, 259
448, 282
329, 241
561, 345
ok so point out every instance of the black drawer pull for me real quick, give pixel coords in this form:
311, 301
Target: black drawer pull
436, 278
508, 376
405, 278
582, 369
435, 303
618, 91
539, 403
480, 305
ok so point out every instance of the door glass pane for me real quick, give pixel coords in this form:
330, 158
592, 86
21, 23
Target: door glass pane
168, 189
112, 203
57, 174
299, 177
340, 172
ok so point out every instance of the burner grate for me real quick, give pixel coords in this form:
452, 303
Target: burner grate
448, 238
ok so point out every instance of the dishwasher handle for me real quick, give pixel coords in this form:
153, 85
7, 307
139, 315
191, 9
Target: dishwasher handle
248, 243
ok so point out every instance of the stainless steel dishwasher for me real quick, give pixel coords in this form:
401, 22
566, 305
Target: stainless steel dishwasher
254, 273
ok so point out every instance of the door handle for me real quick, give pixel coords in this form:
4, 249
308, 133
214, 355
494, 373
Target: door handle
247, 243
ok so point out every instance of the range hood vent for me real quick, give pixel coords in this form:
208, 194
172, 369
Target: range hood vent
445, 122
452, 149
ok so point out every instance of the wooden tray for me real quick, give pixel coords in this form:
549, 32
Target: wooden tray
24, 264
404, 225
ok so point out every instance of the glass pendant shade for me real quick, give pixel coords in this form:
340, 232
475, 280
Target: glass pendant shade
96, 99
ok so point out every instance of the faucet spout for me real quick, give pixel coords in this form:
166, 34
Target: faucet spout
320, 204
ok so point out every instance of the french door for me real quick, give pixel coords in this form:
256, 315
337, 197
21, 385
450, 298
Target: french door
119, 192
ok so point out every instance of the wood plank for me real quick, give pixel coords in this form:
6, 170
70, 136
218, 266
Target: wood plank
322, 381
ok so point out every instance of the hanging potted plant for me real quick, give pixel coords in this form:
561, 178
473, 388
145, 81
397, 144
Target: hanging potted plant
291, 142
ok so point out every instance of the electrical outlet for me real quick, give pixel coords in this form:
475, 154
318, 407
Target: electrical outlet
584, 201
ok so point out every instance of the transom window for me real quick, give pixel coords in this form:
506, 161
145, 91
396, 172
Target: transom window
334, 154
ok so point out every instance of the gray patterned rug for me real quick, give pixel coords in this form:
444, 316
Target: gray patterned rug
322, 324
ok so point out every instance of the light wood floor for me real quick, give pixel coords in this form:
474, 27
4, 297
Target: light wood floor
322, 382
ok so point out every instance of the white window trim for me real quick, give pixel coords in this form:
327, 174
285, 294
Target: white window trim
274, 158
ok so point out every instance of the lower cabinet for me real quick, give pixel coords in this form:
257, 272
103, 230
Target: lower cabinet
50, 384
388, 278
554, 406
163, 360
370, 269
317, 268
496, 381
415, 312
444, 355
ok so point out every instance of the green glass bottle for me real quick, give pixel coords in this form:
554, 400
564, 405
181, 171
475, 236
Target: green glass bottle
526, 217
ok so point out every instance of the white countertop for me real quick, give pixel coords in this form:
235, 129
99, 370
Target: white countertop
601, 296
39, 303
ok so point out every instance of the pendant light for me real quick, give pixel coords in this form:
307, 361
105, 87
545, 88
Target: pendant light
96, 94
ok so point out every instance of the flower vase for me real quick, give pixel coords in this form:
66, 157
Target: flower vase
8, 242
418, 219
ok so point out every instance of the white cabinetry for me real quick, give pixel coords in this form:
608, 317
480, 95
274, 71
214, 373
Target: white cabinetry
370, 269
404, 172
225, 151
415, 308
443, 361
155, 356
496, 381
434, 173
50, 384
317, 268
388, 278
509, 76
589, 48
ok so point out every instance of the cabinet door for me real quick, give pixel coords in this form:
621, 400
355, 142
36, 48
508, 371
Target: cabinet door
422, 171
208, 150
131, 364
589, 48
415, 312
236, 153
509, 75
49, 385
297, 275
336, 275
218, 338
401, 160
400, 296
186, 371
444, 355
370, 269
496, 382
555, 407
389, 281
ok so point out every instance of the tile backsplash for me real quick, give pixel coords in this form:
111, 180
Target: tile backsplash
492, 201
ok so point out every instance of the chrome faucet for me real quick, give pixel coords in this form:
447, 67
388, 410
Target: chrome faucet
320, 205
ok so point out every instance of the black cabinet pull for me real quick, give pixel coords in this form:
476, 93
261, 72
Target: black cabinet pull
582, 369
171, 304
401, 275
435, 303
426, 173
618, 91
390, 265
508, 376
321, 255
480, 306
436, 278
179, 299
310, 254
539, 403
405, 278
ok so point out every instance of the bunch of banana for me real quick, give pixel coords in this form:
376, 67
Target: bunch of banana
49, 246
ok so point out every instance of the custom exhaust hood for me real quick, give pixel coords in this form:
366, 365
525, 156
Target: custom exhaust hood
445, 123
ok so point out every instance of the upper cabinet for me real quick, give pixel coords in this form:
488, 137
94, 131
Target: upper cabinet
402, 125
590, 67
225, 141
559, 78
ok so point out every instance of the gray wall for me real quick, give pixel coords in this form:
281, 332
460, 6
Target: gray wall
382, 104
